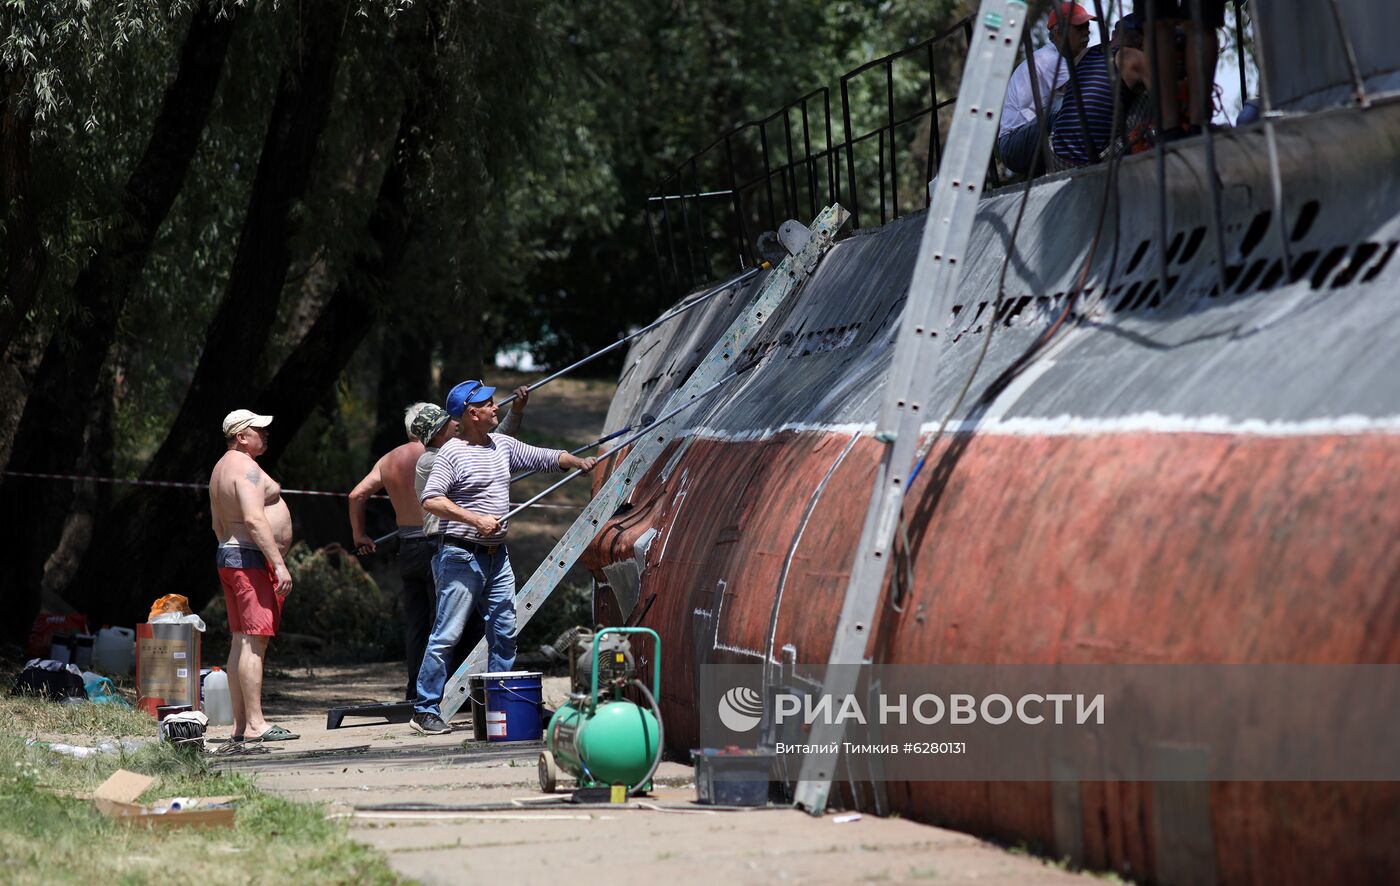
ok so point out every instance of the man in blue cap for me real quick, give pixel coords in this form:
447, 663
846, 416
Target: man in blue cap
468, 491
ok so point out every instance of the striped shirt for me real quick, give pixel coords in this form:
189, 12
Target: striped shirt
424, 469
477, 479
1067, 136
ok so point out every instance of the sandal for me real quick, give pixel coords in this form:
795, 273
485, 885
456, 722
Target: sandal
273, 733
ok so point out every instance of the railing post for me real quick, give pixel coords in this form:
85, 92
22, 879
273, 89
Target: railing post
889, 116
689, 237
790, 178
700, 218
670, 236
767, 174
831, 178
1239, 52
883, 217
807, 161
742, 228
935, 143
850, 156
661, 284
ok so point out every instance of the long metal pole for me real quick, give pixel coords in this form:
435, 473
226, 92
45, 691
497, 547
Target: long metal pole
645, 329
623, 445
599, 442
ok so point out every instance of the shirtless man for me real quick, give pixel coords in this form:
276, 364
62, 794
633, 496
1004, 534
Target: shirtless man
254, 529
394, 474
428, 427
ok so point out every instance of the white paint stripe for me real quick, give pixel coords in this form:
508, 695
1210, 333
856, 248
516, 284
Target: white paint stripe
1014, 391
1075, 426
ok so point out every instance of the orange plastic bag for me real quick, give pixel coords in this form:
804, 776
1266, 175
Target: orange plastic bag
170, 603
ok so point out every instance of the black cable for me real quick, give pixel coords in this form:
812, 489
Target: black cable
1111, 188
1199, 74
660, 736
906, 558
1156, 97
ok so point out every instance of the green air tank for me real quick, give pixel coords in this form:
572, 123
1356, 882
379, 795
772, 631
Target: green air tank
601, 740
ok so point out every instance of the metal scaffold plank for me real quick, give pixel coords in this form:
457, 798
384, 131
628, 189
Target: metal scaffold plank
947, 229
709, 373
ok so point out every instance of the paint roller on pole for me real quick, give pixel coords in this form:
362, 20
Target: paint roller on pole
647, 428
665, 318
698, 300
645, 422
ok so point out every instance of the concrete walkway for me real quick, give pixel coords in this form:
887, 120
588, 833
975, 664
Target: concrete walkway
686, 843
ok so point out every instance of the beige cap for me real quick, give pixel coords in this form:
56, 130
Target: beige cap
242, 420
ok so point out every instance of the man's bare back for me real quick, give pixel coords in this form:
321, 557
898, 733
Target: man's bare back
396, 472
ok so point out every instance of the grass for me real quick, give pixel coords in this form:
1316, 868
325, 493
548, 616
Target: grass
48, 836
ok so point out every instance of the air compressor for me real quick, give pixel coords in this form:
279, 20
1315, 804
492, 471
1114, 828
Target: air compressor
600, 737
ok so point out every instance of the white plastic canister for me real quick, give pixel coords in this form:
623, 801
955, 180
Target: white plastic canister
114, 653
218, 707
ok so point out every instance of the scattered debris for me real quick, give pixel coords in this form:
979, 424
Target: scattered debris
82, 752
116, 799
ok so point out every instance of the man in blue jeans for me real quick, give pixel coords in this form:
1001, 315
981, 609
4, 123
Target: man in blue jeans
469, 492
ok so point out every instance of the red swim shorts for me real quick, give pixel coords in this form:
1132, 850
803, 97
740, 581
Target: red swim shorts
253, 606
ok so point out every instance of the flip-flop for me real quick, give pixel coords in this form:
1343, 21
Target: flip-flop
273, 733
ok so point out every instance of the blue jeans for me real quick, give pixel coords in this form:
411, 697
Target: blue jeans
464, 580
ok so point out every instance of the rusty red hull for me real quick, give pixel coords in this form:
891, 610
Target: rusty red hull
1188, 472
1132, 547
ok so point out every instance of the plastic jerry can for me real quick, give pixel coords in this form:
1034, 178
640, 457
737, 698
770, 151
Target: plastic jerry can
218, 707
114, 652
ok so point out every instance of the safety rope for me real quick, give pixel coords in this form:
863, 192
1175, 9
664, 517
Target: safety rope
172, 484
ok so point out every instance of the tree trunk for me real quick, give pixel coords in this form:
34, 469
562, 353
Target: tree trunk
354, 307
62, 399
170, 538
89, 499
26, 257
226, 377
405, 377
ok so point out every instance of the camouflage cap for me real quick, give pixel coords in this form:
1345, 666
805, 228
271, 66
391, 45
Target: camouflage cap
431, 419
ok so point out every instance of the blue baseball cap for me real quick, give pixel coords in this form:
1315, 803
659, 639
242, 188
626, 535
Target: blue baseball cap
468, 393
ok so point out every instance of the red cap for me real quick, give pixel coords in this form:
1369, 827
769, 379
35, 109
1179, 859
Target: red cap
1078, 15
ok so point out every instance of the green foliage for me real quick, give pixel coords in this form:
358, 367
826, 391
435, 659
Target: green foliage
66, 46
542, 126
334, 599
637, 87
33, 715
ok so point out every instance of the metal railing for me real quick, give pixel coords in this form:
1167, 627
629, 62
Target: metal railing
704, 216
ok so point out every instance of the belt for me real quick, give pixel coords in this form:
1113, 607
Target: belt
457, 541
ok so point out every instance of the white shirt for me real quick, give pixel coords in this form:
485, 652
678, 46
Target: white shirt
1018, 108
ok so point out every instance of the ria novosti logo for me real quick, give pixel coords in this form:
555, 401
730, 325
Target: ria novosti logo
740, 709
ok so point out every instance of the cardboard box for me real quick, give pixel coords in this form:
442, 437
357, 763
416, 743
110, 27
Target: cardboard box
167, 666
116, 798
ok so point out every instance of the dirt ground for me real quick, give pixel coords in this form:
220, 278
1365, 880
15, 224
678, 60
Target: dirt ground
678, 842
